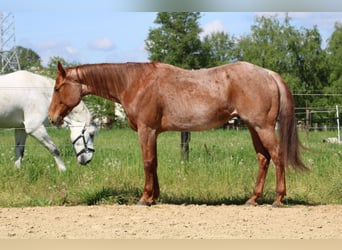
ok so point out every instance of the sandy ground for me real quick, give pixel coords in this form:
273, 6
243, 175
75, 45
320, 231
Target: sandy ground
172, 222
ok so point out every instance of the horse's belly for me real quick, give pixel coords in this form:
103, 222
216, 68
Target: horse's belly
11, 119
202, 117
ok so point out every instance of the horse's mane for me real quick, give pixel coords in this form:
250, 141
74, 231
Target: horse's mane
101, 76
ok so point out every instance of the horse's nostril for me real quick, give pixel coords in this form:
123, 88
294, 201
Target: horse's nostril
58, 121
84, 162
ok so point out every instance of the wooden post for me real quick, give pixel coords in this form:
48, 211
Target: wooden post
307, 124
185, 139
338, 125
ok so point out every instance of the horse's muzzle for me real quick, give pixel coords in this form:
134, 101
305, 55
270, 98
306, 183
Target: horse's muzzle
57, 121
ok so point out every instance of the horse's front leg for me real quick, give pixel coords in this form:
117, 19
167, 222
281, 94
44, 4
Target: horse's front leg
20, 139
42, 136
148, 141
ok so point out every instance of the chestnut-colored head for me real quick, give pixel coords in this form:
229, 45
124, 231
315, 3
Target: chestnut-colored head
67, 94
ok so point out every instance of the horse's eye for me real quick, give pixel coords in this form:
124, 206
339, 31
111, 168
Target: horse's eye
56, 89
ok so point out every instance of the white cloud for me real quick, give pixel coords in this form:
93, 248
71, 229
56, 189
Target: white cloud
101, 44
70, 50
213, 26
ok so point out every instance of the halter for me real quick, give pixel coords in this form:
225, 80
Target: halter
86, 148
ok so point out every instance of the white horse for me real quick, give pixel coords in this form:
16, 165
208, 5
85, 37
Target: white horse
24, 101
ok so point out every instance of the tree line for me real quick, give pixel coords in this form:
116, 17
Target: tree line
313, 73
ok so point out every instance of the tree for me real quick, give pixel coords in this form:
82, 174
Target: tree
51, 70
334, 50
269, 44
28, 59
261, 47
334, 54
220, 48
176, 41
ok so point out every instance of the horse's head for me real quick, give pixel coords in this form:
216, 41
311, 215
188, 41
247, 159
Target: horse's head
82, 138
83, 128
67, 94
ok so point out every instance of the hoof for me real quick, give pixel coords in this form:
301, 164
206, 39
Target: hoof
277, 204
144, 203
251, 203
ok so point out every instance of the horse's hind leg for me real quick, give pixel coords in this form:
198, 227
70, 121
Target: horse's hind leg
42, 136
267, 138
20, 140
263, 162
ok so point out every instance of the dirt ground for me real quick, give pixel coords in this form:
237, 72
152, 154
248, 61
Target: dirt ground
172, 222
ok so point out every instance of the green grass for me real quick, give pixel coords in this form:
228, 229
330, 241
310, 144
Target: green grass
221, 170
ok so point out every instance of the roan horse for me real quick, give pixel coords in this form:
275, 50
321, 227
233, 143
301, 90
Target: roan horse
158, 97
24, 101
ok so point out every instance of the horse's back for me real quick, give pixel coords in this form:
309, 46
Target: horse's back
23, 78
24, 97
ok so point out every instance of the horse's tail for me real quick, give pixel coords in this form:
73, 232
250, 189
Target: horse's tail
290, 144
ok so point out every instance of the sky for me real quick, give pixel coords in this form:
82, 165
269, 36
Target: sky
99, 34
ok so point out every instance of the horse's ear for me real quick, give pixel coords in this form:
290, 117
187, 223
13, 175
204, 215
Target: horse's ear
61, 69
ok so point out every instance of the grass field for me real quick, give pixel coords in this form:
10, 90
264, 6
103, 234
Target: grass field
221, 170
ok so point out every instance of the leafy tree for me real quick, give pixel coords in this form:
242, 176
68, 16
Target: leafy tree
219, 47
269, 44
176, 41
28, 59
51, 70
334, 50
261, 47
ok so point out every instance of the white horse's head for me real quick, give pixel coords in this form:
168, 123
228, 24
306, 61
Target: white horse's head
82, 138
82, 133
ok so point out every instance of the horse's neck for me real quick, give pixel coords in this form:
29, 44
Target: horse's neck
111, 81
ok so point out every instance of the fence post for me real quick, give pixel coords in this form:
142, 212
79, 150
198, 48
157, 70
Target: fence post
338, 125
307, 121
185, 139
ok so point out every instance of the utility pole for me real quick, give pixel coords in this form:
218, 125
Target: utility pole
9, 60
